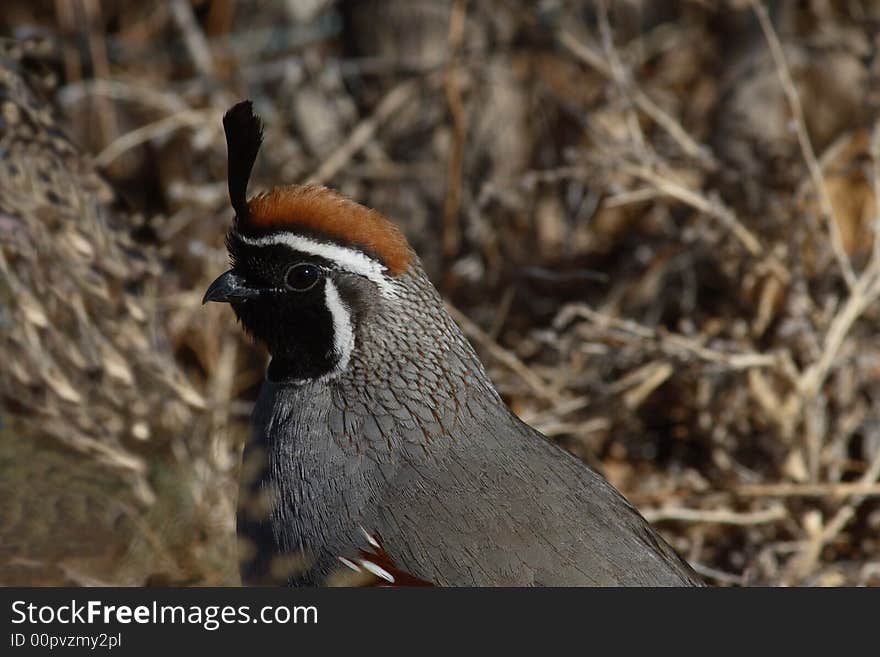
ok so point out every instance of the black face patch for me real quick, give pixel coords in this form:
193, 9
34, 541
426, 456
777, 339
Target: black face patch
295, 324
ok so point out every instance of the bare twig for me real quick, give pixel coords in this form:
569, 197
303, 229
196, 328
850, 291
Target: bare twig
193, 37
452, 89
670, 343
364, 131
718, 575
810, 490
106, 112
803, 137
697, 200
719, 516
874, 147
160, 128
594, 60
622, 81
163, 101
505, 357
803, 563
864, 292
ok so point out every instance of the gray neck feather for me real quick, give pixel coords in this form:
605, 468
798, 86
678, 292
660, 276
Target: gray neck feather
413, 381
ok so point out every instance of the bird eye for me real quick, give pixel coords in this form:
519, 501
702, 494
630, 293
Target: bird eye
302, 277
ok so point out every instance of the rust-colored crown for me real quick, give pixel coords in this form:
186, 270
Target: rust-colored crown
308, 208
321, 211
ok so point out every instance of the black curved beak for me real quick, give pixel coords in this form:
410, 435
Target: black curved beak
230, 287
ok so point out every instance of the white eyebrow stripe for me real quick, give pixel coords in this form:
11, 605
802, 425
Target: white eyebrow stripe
349, 259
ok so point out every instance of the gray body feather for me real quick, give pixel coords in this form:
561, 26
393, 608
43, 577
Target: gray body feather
413, 443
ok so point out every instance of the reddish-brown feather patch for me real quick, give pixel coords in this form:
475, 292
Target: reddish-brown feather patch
379, 557
315, 208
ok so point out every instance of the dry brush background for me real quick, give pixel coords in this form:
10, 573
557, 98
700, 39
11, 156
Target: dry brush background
654, 219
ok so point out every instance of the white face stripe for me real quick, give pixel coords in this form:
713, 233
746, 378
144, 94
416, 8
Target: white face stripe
343, 331
349, 259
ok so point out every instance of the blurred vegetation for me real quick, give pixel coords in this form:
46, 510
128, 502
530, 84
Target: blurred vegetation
718, 163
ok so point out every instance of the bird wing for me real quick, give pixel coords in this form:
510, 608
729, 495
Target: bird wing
517, 510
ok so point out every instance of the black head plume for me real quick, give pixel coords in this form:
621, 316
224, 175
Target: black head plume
244, 134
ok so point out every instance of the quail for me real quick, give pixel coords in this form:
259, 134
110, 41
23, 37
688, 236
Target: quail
377, 425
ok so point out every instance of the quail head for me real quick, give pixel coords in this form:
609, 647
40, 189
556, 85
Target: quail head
377, 419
